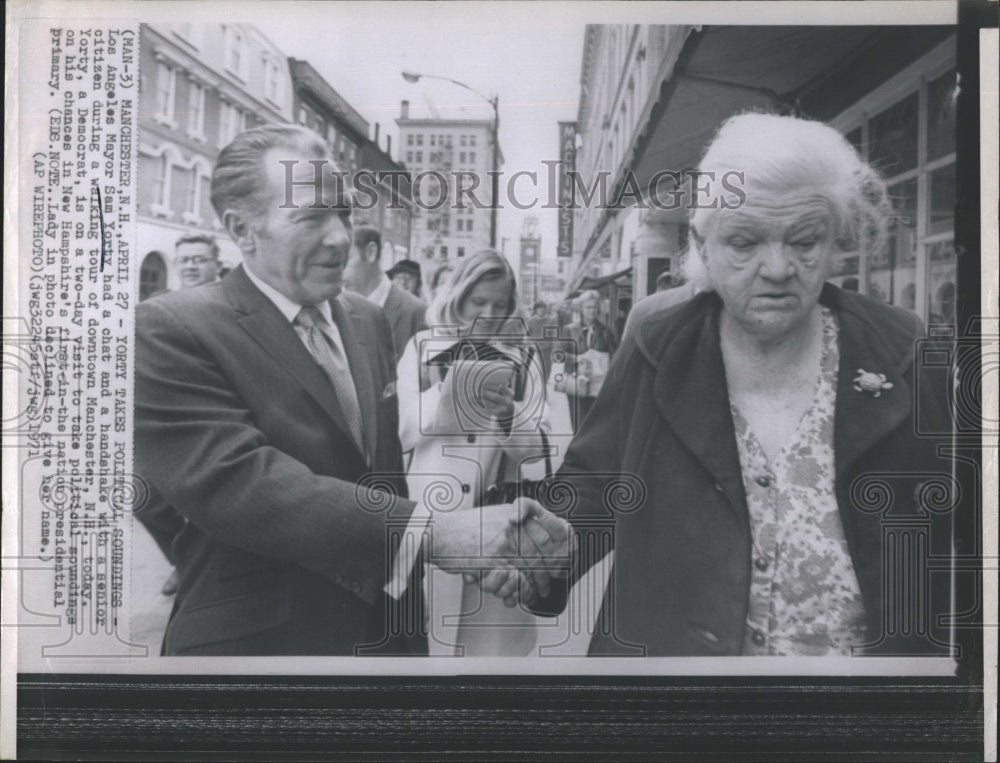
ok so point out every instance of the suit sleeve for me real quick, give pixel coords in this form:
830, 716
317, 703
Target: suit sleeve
197, 442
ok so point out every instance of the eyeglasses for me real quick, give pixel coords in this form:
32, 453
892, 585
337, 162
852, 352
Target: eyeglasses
194, 259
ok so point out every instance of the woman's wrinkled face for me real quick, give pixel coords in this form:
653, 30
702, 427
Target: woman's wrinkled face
769, 259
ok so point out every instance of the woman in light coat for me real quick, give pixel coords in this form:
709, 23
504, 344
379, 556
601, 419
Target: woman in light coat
472, 411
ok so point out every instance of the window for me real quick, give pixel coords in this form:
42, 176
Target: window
409, 157
460, 225
468, 226
409, 140
272, 81
461, 158
906, 128
433, 142
472, 140
460, 252
236, 58
166, 91
420, 156
420, 140
464, 141
196, 110
152, 275
472, 157
230, 123
444, 252
159, 182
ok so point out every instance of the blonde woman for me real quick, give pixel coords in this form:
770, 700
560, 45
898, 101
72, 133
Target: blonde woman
472, 411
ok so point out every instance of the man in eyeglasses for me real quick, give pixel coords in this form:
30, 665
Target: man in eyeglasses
197, 256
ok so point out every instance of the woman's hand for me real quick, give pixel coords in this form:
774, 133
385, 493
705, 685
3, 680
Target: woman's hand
499, 402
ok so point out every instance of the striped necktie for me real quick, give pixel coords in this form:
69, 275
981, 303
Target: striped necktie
331, 358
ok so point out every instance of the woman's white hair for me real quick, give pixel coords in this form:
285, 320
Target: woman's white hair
787, 156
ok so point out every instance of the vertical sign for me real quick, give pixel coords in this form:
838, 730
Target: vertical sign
567, 158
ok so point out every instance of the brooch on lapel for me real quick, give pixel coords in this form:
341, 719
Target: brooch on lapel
866, 381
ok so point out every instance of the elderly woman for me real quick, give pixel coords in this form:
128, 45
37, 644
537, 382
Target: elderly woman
751, 427
472, 411
588, 351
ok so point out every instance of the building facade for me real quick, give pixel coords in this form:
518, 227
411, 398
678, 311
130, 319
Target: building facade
201, 85
389, 208
652, 97
443, 157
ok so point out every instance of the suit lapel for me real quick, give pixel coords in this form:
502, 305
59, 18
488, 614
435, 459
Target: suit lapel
359, 356
690, 391
265, 325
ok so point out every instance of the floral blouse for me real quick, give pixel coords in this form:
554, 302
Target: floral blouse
804, 595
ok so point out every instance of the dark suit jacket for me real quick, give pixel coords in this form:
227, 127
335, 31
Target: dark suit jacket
240, 431
406, 316
662, 427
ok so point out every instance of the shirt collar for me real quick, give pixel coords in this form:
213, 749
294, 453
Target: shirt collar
285, 306
381, 292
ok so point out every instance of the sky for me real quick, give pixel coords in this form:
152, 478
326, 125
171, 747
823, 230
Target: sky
529, 56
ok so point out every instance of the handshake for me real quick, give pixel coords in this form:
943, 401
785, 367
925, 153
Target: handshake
514, 550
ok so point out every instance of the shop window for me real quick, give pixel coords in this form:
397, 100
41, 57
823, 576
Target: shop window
893, 137
911, 140
941, 200
941, 95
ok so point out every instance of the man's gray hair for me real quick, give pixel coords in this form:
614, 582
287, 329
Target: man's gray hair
239, 181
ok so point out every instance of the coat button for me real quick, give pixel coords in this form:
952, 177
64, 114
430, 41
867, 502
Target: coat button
758, 638
760, 563
763, 480
356, 587
471, 438
466, 487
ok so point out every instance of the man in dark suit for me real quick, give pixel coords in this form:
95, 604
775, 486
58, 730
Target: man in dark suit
266, 415
363, 275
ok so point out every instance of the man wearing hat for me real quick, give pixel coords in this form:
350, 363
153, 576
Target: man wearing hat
406, 275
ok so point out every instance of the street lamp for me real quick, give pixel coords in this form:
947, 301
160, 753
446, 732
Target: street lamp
413, 77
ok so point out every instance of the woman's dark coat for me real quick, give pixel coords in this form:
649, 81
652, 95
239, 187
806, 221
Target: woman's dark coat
655, 474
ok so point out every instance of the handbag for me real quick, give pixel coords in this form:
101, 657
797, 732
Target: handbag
507, 491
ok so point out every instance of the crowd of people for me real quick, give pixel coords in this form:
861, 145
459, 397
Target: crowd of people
336, 465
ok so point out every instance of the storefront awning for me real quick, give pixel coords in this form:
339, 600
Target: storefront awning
723, 70
596, 283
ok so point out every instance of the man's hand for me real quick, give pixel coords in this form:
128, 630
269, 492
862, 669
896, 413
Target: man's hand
521, 544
